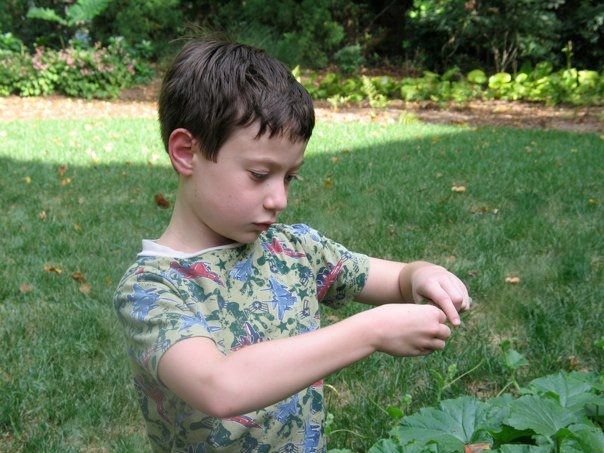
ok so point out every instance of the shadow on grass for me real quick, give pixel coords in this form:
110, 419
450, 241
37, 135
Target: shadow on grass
530, 207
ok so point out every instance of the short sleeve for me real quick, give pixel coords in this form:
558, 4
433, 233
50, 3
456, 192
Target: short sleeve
339, 273
155, 315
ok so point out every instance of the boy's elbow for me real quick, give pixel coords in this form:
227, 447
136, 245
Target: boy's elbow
220, 408
218, 399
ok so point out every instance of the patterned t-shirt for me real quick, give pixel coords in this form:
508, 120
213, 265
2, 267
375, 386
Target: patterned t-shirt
236, 295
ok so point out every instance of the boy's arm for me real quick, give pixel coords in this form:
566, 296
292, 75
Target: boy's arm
393, 282
264, 373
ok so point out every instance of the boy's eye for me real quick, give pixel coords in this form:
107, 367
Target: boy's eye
290, 178
258, 176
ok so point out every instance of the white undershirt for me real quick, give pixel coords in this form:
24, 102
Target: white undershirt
152, 248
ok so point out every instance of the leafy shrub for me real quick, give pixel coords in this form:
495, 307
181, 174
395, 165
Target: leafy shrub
25, 75
541, 84
152, 21
98, 72
301, 32
349, 59
10, 42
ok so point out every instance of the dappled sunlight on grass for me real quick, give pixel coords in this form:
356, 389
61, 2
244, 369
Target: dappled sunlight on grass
531, 208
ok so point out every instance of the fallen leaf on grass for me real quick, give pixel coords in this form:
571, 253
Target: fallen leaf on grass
27, 180
42, 215
65, 182
78, 277
513, 280
62, 170
51, 268
328, 183
458, 189
85, 288
161, 201
574, 363
26, 288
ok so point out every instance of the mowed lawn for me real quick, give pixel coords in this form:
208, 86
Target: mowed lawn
517, 214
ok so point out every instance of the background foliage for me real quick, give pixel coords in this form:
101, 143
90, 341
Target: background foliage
495, 35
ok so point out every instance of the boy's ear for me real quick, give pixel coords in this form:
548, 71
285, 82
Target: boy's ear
181, 149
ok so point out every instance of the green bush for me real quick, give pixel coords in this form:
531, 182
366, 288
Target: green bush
541, 84
11, 43
26, 75
153, 21
296, 32
349, 59
97, 72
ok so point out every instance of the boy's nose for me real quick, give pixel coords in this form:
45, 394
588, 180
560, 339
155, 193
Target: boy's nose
276, 198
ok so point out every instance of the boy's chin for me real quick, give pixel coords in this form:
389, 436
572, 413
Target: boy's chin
244, 238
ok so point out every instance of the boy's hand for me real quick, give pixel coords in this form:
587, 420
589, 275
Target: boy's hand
440, 287
408, 329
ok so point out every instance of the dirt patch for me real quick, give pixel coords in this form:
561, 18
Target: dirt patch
477, 113
140, 102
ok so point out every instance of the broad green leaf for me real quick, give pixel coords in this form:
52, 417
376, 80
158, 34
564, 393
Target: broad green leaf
523, 448
45, 14
588, 78
385, 446
500, 411
499, 80
395, 412
477, 77
85, 10
567, 389
584, 438
514, 360
456, 423
540, 415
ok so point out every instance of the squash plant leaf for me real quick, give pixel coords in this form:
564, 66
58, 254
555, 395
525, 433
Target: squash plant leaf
542, 416
385, 446
570, 391
500, 411
583, 438
455, 424
524, 448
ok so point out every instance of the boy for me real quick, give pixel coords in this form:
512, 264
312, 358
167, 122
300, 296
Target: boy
221, 313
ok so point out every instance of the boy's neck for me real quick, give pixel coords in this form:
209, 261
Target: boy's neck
184, 235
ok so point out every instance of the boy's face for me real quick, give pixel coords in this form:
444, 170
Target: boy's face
237, 197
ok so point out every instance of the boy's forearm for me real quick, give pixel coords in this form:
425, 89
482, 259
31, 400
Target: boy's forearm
265, 373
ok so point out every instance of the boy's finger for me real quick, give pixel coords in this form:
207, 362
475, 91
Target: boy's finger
444, 333
440, 297
453, 290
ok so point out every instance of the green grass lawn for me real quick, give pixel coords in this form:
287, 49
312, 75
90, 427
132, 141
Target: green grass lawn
78, 196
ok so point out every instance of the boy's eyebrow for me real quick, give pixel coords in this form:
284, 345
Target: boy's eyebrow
273, 163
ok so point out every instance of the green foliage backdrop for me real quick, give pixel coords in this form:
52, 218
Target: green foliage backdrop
495, 35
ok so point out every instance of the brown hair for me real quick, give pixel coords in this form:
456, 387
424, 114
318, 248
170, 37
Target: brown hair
213, 87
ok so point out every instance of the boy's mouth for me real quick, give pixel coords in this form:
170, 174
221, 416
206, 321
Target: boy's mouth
263, 226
